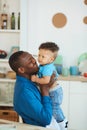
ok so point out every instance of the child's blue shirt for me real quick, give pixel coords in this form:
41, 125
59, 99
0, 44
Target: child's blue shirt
47, 70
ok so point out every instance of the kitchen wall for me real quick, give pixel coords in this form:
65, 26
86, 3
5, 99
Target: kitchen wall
71, 38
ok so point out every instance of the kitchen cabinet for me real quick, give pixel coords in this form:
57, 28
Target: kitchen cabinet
6, 85
65, 103
8, 38
78, 106
8, 113
75, 103
12, 38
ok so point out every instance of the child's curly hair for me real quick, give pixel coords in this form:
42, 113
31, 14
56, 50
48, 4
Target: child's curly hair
53, 47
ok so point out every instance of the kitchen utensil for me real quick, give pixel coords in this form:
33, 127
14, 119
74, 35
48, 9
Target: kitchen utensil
83, 66
59, 60
65, 71
3, 54
82, 57
58, 68
74, 70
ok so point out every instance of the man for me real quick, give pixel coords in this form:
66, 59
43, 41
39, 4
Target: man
32, 105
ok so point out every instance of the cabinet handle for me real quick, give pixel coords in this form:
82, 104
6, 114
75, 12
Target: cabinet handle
5, 113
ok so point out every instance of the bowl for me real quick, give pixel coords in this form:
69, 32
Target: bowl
3, 54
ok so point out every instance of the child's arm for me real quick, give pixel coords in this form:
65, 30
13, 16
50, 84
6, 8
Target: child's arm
43, 80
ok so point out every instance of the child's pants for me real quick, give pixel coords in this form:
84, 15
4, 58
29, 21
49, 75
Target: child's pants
58, 126
63, 125
53, 125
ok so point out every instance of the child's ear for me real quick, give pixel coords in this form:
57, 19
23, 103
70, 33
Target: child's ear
52, 59
21, 70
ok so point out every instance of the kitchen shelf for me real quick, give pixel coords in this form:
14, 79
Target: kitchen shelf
4, 60
4, 64
9, 31
7, 80
6, 104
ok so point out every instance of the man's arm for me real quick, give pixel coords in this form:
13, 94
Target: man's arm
38, 109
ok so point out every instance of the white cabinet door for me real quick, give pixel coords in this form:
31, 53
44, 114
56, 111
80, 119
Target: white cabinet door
78, 106
65, 104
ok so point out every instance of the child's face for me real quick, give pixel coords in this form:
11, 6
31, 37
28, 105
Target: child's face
45, 57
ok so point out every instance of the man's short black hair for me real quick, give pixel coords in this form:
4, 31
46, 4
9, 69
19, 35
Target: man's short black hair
14, 60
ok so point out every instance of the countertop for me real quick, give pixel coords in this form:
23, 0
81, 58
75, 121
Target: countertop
73, 78
20, 126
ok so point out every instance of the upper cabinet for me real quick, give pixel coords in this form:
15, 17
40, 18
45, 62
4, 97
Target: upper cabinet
9, 42
9, 31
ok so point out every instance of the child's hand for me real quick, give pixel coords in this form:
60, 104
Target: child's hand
33, 78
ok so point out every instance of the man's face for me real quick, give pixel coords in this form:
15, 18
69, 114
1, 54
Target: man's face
29, 64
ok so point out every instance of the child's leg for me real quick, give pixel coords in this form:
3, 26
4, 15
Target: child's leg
56, 95
53, 125
63, 125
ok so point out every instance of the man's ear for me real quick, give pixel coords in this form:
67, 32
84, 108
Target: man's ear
21, 70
